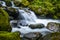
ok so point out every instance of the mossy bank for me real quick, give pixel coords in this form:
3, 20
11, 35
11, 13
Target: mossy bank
52, 36
9, 36
48, 8
4, 21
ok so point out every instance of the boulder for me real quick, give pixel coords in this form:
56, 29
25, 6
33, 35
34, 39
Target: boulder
9, 36
8, 3
4, 21
13, 13
34, 26
33, 36
52, 36
53, 26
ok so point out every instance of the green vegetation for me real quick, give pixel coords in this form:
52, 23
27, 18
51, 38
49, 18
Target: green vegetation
21, 3
48, 8
5, 28
9, 36
52, 36
4, 21
8, 2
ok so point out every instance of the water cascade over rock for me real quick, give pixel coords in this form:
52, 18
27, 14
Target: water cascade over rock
26, 18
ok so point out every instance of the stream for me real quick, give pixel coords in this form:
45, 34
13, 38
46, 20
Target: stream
27, 17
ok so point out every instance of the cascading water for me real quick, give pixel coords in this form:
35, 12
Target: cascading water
27, 17
3, 3
12, 4
31, 18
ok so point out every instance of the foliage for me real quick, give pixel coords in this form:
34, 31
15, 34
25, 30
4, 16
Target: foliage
9, 36
52, 36
4, 21
21, 2
46, 8
8, 2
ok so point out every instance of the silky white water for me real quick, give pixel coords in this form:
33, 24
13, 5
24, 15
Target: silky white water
32, 19
27, 17
3, 3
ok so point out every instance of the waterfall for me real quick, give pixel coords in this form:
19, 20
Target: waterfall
30, 17
12, 4
27, 17
3, 3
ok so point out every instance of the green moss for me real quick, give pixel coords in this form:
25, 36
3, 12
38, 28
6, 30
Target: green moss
46, 7
25, 3
4, 21
9, 36
8, 2
52, 36
42, 7
21, 2
55, 17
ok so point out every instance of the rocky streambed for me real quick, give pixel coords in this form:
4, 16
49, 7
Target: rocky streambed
24, 25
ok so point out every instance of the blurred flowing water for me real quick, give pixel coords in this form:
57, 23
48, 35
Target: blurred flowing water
27, 17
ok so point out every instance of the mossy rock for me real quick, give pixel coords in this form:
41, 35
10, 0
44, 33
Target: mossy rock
21, 3
8, 2
52, 36
25, 3
41, 8
4, 21
48, 8
55, 27
9, 35
12, 13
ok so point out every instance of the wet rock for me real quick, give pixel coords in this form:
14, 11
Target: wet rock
9, 35
34, 26
53, 26
8, 3
17, 3
13, 13
33, 36
4, 21
0, 4
52, 36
